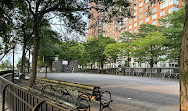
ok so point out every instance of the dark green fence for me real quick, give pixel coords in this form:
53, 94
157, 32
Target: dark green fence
172, 72
17, 98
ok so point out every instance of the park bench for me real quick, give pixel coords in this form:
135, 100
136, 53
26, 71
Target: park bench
58, 100
74, 91
171, 75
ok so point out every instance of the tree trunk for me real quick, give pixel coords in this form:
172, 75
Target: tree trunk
102, 65
23, 58
23, 51
184, 66
50, 66
35, 51
151, 66
128, 60
91, 66
28, 67
178, 61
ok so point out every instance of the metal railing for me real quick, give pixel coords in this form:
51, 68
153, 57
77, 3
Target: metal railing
172, 72
17, 98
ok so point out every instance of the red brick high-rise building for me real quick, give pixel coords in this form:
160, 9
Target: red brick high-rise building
139, 11
95, 22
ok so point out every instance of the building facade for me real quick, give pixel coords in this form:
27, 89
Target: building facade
141, 16
95, 22
143, 12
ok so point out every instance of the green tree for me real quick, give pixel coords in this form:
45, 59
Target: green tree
95, 48
73, 50
49, 46
112, 50
70, 11
77, 51
144, 29
173, 31
41, 10
27, 64
6, 25
6, 65
23, 30
127, 38
70, 50
149, 49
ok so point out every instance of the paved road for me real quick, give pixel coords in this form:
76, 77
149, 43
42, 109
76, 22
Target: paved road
130, 93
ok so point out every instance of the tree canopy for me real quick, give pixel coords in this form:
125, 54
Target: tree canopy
173, 31
95, 48
150, 48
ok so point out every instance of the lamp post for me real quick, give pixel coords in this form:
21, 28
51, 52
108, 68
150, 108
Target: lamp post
13, 47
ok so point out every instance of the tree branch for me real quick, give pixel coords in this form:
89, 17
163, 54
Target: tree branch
37, 6
30, 9
53, 8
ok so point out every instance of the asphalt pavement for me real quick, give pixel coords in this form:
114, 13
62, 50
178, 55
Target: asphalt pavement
130, 93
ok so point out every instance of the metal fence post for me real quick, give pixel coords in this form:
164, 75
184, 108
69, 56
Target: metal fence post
36, 108
3, 102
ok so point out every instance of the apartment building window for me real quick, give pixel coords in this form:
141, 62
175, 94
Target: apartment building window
140, 16
125, 24
135, 7
154, 16
170, 2
130, 27
147, 19
135, 19
125, 21
146, 13
162, 5
141, 4
135, 13
154, 10
170, 10
176, 2
135, 1
176, 9
140, 10
135, 30
140, 22
162, 13
134, 64
162, 64
146, 1
135, 24
146, 7
125, 28
130, 21
121, 30
154, 23
154, 3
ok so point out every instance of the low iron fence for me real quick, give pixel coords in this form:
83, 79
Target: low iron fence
156, 72
17, 98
